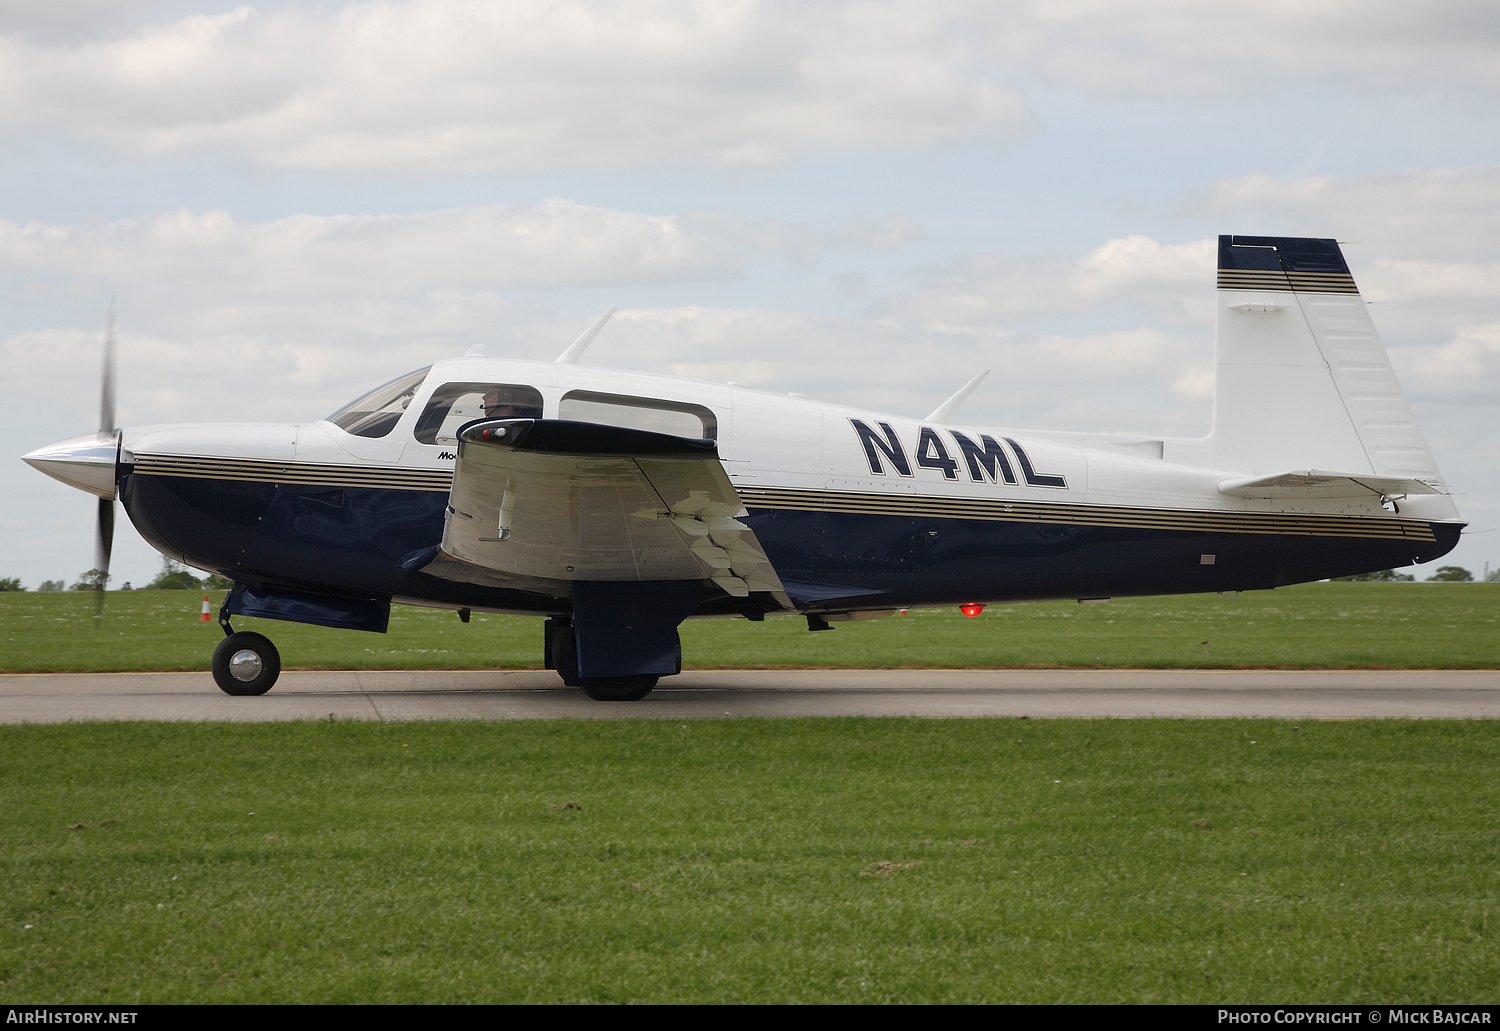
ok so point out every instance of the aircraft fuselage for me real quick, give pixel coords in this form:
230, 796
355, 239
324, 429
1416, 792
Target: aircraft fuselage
899, 512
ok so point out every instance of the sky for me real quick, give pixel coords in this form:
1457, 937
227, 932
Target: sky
867, 203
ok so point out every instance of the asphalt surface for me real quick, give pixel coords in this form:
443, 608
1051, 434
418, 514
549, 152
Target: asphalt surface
498, 695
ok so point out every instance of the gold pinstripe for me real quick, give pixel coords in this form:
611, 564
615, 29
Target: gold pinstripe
1304, 282
852, 502
392, 477
791, 499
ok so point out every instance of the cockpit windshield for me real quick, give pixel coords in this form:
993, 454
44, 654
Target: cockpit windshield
375, 414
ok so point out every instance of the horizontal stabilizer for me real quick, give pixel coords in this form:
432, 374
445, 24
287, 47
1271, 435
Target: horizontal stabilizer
1317, 483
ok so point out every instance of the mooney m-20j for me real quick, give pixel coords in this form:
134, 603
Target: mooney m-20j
618, 504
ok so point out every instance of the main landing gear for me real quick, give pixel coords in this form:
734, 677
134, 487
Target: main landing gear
600, 689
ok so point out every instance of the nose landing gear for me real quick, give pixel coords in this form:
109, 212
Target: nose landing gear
246, 663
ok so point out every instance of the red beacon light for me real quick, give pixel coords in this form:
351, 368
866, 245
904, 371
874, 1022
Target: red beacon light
971, 608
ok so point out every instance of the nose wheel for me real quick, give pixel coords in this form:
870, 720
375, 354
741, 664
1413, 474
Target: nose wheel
246, 663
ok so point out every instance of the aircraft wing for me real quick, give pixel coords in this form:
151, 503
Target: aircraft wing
1315, 483
550, 500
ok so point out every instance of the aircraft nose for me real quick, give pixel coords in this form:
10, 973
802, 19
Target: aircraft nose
87, 463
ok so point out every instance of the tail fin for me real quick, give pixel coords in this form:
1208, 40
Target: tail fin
1302, 378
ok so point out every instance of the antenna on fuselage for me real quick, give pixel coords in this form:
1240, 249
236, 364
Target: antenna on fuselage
576, 348
944, 411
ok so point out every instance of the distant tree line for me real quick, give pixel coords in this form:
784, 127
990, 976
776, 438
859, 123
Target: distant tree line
172, 577
1442, 574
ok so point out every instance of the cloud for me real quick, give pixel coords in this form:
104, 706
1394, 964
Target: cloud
465, 86
555, 243
64, 22
1465, 367
1189, 49
551, 245
1134, 271
1430, 214
469, 86
865, 232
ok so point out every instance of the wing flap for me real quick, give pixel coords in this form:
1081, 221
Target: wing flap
536, 500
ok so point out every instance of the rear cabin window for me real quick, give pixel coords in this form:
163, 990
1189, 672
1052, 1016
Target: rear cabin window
678, 418
377, 413
454, 405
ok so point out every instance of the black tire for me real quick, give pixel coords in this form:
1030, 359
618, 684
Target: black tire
265, 654
565, 656
618, 689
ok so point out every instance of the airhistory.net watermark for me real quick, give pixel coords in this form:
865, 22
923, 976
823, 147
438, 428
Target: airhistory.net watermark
44, 1015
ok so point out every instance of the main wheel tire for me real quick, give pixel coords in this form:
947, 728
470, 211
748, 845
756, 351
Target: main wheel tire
246, 664
565, 655
618, 689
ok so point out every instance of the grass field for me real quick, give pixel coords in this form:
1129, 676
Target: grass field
1444, 626
751, 861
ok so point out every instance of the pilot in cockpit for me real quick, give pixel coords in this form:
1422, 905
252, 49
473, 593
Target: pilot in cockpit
501, 402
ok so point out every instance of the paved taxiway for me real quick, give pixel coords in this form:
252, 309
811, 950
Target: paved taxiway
497, 695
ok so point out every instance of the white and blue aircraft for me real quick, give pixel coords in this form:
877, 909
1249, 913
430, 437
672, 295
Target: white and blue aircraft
618, 504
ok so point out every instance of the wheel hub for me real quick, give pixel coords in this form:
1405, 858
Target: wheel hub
245, 665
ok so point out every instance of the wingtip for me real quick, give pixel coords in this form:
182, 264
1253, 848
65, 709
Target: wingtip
944, 411
574, 354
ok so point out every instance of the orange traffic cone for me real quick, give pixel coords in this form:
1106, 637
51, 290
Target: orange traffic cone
205, 618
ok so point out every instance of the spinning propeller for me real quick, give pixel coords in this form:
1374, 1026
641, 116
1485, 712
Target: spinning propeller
104, 531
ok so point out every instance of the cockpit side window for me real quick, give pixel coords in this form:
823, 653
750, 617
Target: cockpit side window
455, 404
377, 413
679, 418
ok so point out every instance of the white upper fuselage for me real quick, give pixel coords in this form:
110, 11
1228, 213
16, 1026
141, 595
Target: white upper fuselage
775, 441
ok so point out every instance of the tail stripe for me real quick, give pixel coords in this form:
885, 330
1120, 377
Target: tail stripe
1305, 282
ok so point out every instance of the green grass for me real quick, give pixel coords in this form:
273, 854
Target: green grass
1441, 626
751, 861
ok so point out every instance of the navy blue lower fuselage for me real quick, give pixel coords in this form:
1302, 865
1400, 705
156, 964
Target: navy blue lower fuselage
370, 543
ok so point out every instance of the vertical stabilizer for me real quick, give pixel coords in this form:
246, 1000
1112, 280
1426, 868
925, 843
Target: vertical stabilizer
1302, 379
